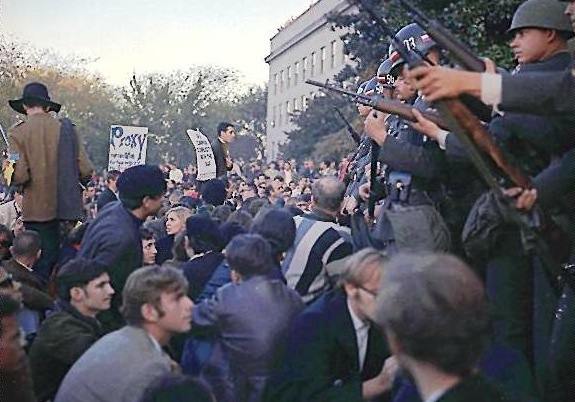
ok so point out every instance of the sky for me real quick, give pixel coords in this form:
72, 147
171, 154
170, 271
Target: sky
124, 36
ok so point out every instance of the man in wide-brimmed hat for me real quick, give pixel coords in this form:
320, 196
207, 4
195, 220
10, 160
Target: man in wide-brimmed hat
49, 162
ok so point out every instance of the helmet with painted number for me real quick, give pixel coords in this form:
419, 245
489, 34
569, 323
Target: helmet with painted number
415, 39
384, 76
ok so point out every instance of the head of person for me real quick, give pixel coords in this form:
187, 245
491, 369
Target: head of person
361, 278
149, 249
222, 213
249, 255
6, 239
434, 312
327, 194
85, 284
203, 234
242, 218
26, 247
177, 387
226, 132
176, 219
18, 226
214, 192
248, 190
570, 11
141, 189
12, 356
111, 179
277, 227
35, 99
155, 298
385, 80
540, 29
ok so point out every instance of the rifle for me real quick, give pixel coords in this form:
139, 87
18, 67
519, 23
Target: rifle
382, 105
372, 180
466, 126
354, 135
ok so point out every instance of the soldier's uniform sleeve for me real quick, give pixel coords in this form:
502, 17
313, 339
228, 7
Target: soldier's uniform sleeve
556, 180
21, 167
424, 161
541, 93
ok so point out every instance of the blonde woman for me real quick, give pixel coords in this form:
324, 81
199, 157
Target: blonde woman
175, 223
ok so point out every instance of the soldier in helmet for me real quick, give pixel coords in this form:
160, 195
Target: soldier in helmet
414, 166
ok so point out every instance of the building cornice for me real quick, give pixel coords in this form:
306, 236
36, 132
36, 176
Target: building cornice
307, 31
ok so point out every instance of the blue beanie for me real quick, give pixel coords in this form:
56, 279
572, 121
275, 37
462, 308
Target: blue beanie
140, 181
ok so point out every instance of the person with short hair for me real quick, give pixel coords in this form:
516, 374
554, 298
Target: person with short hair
26, 250
11, 210
120, 366
251, 315
436, 320
220, 146
334, 351
109, 194
84, 290
15, 382
148, 247
320, 240
113, 238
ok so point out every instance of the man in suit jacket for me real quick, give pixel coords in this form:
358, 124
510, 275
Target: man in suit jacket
435, 316
334, 352
120, 366
220, 147
109, 193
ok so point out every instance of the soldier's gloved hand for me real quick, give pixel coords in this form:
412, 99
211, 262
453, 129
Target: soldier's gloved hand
442, 82
425, 126
525, 199
374, 126
364, 191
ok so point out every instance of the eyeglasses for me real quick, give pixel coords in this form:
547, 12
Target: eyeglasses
7, 281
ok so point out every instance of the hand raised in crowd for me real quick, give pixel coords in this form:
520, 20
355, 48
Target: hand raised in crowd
364, 191
425, 126
525, 199
375, 126
441, 82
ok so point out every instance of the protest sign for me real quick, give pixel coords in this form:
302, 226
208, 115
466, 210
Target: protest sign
128, 147
204, 155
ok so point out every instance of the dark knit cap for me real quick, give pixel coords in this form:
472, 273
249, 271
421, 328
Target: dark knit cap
214, 192
141, 181
276, 226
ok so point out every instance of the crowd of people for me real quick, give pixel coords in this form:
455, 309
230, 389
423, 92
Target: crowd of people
393, 275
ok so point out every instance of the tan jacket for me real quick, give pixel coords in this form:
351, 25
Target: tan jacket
36, 141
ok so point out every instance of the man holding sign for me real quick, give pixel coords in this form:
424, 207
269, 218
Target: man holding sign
220, 148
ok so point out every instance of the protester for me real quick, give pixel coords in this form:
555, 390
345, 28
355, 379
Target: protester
110, 192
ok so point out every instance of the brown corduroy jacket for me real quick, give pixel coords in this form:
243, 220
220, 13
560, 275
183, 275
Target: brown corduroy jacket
36, 142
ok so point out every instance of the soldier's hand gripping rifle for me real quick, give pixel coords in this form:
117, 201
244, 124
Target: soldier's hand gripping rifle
382, 105
354, 135
473, 135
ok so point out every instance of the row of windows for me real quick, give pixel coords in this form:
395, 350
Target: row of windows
307, 67
281, 112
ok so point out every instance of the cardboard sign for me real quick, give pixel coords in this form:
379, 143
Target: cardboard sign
204, 155
128, 147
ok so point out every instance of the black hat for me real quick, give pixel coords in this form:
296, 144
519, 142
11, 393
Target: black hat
214, 192
204, 231
79, 271
37, 93
141, 181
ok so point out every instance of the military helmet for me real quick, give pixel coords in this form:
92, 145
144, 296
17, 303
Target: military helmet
370, 87
384, 76
545, 14
415, 39
361, 88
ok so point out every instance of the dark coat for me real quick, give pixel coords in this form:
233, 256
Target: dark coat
474, 389
220, 157
198, 272
61, 340
321, 361
113, 239
164, 247
105, 197
34, 294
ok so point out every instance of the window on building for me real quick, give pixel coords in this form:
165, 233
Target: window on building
322, 61
313, 63
288, 111
304, 102
296, 73
289, 76
282, 80
304, 69
276, 82
281, 115
333, 53
273, 122
295, 104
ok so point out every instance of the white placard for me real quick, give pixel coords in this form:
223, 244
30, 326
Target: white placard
204, 155
128, 147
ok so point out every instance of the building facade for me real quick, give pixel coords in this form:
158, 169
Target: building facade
306, 48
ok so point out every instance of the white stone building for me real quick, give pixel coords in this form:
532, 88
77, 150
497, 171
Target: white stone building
305, 48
